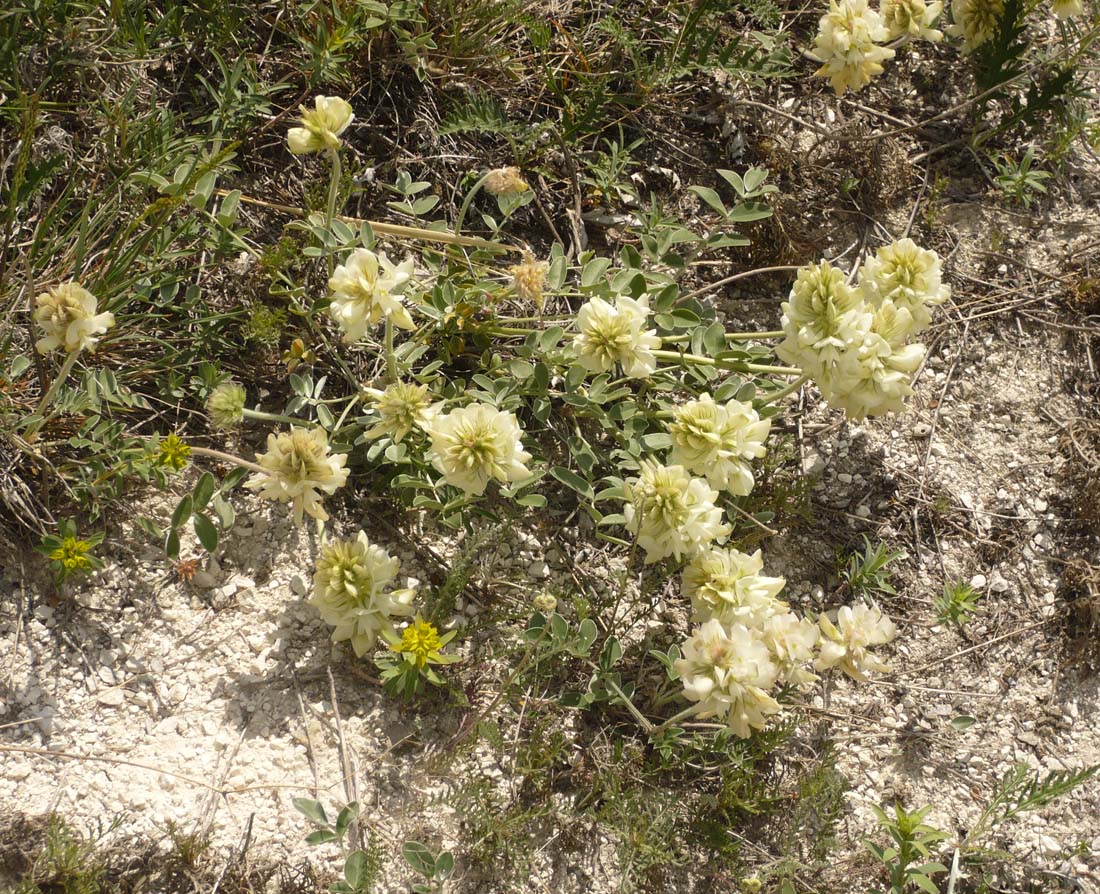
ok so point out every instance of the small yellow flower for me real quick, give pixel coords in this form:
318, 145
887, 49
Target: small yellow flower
173, 453
419, 641
505, 182
321, 126
72, 555
298, 355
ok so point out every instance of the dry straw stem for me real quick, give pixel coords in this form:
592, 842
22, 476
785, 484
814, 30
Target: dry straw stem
390, 229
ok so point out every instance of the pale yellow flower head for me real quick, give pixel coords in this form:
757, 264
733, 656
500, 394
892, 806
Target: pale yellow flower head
401, 408
616, 334
847, 638
67, 316
727, 584
225, 405
299, 467
975, 21
1066, 9
822, 320
352, 589
847, 45
505, 182
671, 513
906, 275
912, 18
366, 290
321, 126
719, 441
528, 280
791, 641
474, 444
727, 672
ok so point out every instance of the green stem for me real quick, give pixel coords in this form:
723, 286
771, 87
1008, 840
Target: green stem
466, 203
510, 330
736, 365
731, 336
229, 458
333, 192
48, 397
790, 389
391, 360
675, 718
261, 416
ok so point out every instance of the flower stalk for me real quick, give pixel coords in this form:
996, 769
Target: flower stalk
48, 398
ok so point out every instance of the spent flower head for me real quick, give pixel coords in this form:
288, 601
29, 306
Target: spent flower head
172, 453
616, 334
719, 441
353, 591
402, 407
727, 672
847, 639
847, 45
528, 279
225, 405
727, 584
912, 18
505, 182
472, 445
671, 513
366, 290
321, 126
299, 467
67, 316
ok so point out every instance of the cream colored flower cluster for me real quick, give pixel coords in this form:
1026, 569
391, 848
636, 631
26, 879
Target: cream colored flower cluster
850, 37
853, 341
67, 317
353, 590
610, 335
749, 643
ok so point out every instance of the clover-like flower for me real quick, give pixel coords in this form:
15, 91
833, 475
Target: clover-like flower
847, 45
719, 441
880, 379
610, 334
728, 671
823, 319
912, 18
791, 641
299, 467
528, 279
847, 638
366, 289
321, 126
353, 591
505, 182
1065, 9
727, 584
225, 405
975, 21
67, 316
906, 275
401, 408
671, 513
472, 445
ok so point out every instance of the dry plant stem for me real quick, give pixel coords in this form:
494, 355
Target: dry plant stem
387, 229
48, 397
229, 458
710, 287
